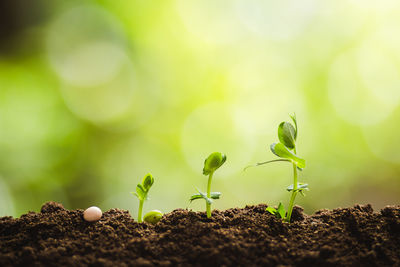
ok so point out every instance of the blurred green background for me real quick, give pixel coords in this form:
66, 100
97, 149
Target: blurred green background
95, 94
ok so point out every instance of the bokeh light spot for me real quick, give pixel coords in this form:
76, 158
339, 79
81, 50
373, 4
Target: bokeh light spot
384, 144
379, 72
349, 96
276, 20
104, 102
213, 21
80, 53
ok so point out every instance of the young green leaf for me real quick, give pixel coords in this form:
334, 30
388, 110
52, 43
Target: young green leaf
204, 196
195, 196
286, 134
281, 210
140, 192
213, 162
271, 210
281, 151
147, 181
300, 187
214, 195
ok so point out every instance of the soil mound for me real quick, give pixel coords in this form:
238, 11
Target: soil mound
247, 236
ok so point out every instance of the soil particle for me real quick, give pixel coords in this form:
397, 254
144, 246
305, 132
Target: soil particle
248, 236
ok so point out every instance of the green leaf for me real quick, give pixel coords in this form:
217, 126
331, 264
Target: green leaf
215, 195
271, 210
204, 196
195, 196
281, 151
286, 134
147, 182
300, 187
140, 192
213, 162
281, 211
208, 200
295, 125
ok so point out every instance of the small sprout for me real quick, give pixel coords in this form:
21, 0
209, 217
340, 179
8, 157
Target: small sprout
279, 212
92, 214
141, 192
153, 216
286, 151
211, 164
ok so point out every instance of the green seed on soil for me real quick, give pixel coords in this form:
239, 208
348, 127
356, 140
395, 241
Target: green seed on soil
153, 216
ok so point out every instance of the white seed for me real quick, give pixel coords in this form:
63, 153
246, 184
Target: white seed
92, 214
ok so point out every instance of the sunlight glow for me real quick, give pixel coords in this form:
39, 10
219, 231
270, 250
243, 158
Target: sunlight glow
276, 20
214, 128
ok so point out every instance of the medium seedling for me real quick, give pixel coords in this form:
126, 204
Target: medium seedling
286, 150
141, 192
211, 164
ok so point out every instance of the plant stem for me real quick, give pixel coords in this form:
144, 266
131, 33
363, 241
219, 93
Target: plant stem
275, 160
140, 210
208, 205
294, 192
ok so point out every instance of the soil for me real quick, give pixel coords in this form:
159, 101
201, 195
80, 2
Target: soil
355, 236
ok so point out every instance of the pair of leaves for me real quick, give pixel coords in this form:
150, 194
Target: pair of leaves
213, 162
280, 212
282, 151
143, 188
287, 134
301, 187
200, 195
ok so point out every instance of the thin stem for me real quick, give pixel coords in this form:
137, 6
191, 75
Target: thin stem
140, 210
294, 192
208, 205
274, 160
265, 162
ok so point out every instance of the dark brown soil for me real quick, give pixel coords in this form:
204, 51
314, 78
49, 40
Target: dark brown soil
236, 237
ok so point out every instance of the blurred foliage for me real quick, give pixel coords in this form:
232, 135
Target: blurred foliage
95, 94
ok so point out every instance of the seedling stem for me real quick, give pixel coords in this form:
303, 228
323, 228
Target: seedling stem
140, 210
294, 191
208, 205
